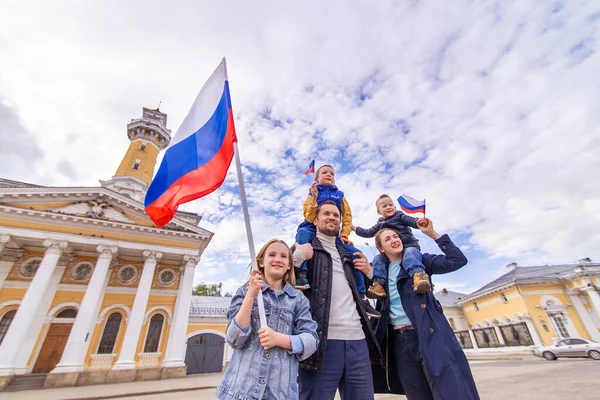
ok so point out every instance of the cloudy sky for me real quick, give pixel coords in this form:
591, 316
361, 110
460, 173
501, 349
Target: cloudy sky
489, 110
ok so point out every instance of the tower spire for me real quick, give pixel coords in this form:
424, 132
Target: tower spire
148, 135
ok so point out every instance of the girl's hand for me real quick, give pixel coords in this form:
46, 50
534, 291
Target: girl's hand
256, 283
269, 338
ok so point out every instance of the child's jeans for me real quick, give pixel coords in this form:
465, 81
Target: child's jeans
412, 263
306, 233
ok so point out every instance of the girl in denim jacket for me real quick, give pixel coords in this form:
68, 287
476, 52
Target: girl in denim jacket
265, 362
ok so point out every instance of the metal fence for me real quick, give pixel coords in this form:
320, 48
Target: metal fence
516, 334
486, 337
464, 339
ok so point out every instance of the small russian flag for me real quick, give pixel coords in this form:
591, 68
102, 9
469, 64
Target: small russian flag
410, 205
311, 168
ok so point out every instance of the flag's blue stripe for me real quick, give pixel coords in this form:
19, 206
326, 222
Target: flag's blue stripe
192, 152
409, 206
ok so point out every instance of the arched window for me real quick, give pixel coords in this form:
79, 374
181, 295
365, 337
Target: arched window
109, 336
154, 331
67, 313
5, 323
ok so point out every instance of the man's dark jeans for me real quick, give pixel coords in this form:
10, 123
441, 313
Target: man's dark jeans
346, 366
409, 363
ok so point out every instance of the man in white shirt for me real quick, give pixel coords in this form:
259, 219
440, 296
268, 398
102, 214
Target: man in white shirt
347, 342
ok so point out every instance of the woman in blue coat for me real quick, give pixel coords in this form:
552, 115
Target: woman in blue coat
423, 358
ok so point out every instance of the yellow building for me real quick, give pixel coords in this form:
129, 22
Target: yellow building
533, 306
91, 291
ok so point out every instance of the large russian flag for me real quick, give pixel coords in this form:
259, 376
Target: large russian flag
198, 157
410, 205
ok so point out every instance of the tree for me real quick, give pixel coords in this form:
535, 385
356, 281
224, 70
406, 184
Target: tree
207, 289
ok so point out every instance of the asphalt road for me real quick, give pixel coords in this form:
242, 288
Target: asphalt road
500, 380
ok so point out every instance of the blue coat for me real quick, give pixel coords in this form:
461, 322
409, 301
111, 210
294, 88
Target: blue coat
444, 359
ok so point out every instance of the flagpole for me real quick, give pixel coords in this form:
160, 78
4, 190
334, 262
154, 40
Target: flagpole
424, 208
259, 298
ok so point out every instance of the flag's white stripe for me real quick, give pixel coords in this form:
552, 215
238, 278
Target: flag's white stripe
204, 106
413, 202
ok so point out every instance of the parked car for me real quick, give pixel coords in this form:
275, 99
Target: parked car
570, 347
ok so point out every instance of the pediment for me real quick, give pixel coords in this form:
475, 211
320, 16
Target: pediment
95, 203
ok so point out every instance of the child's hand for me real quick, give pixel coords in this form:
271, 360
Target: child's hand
314, 191
346, 241
353, 228
256, 283
269, 338
423, 222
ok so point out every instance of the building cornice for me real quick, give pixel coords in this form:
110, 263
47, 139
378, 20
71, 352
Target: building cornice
76, 194
527, 282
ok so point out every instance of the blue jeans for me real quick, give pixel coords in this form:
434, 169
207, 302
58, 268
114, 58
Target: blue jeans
412, 263
306, 233
346, 366
411, 370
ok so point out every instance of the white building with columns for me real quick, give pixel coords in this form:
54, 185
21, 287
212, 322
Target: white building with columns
91, 291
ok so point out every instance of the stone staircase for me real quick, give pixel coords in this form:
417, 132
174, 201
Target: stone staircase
26, 382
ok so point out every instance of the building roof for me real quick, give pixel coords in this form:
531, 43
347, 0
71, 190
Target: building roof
209, 306
7, 183
448, 298
539, 273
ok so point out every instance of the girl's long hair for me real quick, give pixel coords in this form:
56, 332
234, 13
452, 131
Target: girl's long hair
289, 276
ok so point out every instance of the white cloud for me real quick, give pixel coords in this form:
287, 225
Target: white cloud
488, 110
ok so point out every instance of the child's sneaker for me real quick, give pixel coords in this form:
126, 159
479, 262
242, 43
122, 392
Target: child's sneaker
301, 281
371, 312
377, 291
421, 283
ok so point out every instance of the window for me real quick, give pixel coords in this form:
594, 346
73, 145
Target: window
29, 268
154, 331
127, 274
578, 341
68, 313
503, 297
143, 147
451, 322
475, 306
559, 325
5, 323
136, 165
81, 271
109, 336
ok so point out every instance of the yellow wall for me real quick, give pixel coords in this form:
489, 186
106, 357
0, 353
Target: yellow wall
492, 307
533, 302
147, 161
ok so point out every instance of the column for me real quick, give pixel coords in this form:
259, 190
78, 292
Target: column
77, 345
594, 298
15, 336
499, 335
4, 239
8, 256
22, 364
176, 346
535, 336
584, 316
136, 319
473, 340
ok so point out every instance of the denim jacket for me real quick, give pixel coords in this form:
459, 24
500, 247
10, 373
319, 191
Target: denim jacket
258, 373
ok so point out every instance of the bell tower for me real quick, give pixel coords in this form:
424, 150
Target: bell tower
148, 135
